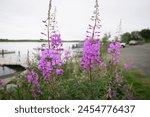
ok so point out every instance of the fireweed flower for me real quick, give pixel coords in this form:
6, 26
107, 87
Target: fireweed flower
130, 97
33, 92
36, 91
67, 54
56, 42
112, 94
33, 77
40, 92
91, 54
59, 71
114, 49
50, 59
127, 66
91, 48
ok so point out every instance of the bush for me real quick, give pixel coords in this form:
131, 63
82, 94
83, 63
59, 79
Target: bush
73, 84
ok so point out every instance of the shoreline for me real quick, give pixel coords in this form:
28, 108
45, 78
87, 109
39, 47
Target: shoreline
8, 76
39, 41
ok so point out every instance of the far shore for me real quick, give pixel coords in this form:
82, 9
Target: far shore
32, 40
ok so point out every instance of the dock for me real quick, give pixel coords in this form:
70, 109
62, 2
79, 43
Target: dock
13, 62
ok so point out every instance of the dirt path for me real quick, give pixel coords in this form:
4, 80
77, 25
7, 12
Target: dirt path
138, 56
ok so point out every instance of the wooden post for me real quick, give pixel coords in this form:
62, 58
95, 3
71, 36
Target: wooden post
3, 53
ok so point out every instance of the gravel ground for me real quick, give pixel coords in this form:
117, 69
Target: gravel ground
138, 56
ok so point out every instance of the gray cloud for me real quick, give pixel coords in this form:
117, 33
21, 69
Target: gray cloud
22, 18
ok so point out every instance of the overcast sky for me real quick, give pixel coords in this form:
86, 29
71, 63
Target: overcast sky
22, 19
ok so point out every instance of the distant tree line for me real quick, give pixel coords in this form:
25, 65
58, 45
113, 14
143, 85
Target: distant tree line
143, 35
3, 39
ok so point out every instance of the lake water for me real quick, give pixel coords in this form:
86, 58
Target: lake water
4, 71
21, 52
24, 47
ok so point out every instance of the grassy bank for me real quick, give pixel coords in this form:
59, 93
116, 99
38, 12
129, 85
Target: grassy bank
140, 84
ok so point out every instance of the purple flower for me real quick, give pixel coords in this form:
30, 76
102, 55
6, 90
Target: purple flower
40, 92
56, 42
51, 58
59, 71
33, 92
130, 97
32, 76
91, 54
114, 49
113, 94
29, 77
91, 48
67, 54
127, 66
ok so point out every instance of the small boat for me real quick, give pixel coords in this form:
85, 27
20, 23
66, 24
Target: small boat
79, 45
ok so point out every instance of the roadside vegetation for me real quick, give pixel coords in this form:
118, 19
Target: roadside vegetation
140, 84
